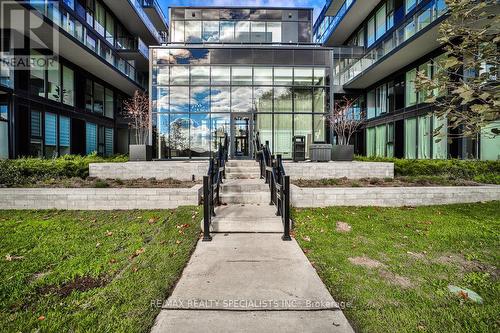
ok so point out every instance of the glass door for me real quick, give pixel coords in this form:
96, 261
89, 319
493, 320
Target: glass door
241, 141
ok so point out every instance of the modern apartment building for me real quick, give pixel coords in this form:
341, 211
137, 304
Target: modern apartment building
236, 72
399, 38
67, 66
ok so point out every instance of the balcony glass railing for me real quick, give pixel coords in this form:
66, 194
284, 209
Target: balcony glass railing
79, 31
156, 5
422, 18
329, 23
132, 44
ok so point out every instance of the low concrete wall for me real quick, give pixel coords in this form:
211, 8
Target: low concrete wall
181, 170
391, 196
98, 199
351, 170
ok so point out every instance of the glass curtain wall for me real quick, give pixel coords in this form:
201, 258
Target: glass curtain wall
193, 106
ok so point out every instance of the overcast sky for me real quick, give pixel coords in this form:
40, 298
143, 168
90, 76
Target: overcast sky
316, 4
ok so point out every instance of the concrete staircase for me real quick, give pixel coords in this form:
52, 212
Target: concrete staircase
245, 202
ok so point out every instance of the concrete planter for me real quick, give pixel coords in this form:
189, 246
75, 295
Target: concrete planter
140, 153
320, 152
343, 153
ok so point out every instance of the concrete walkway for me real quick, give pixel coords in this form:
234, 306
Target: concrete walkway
250, 283
247, 279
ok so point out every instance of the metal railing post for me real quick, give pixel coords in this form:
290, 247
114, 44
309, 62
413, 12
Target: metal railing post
206, 210
286, 209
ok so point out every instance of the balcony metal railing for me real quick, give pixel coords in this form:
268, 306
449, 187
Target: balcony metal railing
77, 29
420, 20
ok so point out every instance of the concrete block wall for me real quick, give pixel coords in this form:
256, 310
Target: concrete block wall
98, 199
391, 196
351, 170
181, 170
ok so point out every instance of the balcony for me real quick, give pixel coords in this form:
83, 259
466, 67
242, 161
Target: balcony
78, 44
155, 13
416, 37
339, 19
134, 49
132, 15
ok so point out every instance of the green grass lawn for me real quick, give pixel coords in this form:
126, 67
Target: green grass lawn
66, 271
394, 266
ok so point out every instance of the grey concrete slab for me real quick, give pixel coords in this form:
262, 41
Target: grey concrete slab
251, 321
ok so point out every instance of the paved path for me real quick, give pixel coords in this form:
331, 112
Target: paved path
250, 283
247, 279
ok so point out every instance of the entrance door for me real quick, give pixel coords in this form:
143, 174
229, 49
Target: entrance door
241, 141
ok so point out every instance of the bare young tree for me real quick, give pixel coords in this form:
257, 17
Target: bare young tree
136, 111
465, 87
345, 119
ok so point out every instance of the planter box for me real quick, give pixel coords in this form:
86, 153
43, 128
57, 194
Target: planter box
140, 153
343, 153
321, 152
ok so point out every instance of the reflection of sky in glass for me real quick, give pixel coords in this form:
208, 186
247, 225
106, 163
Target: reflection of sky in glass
161, 99
179, 99
179, 75
241, 99
200, 99
200, 133
221, 99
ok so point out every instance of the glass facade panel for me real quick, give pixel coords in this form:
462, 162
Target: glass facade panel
264, 126
424, 137
370, 142
319, 77
283, 99
200, 99
303, 101
258, 34
241, 99
440, 140
68, 90
211, 31
263, 99
319, 128
179, 99
221, 124
220, 99
179, 75
410, 92
54, 83
302, 125
380, 140
161, 75
411, 138
221, 75
263, 76
227, 31
283, 76
283, 135
199, 135
319, 100
98, 98
490, 143
178, 130
273, 32
302, 76
242, 75
200, 75
193, 31
242, 32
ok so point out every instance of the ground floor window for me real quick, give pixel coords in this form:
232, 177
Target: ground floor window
424, 137
411, 138
50, 135
36, 141
440, 137
490, 144
370, 142
64, 135
4, 131
90, 138
109, 139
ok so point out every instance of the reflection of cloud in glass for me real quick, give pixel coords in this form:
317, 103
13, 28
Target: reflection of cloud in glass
220, 99
199, 56
200, 99
200, 133
179, 99
241, 99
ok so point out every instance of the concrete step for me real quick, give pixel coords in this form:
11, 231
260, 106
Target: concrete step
239, 169
242, 175
246, 198
245, 187
246, 218
235, 163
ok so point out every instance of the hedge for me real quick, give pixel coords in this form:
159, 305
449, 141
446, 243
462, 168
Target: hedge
475, 170
31, 170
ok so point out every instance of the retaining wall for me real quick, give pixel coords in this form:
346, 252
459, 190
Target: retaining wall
98, 199
391, 196
351, 170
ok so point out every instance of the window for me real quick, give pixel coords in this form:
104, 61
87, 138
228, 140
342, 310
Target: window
100, 18
380, 140
409, 5
110, 29
319, 128
283, 134
242, 32
273, 32
221, 75
68, 86
50, 135
90, 138
178, 31
490, 143
440, 141
410, 138
161, 75
283, 99
371, 104
242, 75
424, 137
283, 76
371, 31
109, 141
319, 100
98, 98
200, 75
263, 76
64, 135
193, 31
303, 100
302, 125
200, 99
370, 142
4, 131
70, 3
302, 76
319, 77
109, 109
390, 140
258, 34
36, 143
426, 69
179, 99
381, 100
210, 31
179, 75
380, 17
263, 99
410, 91
241, 99
424, 19
37, 75
227, 31
220, 99
89, 95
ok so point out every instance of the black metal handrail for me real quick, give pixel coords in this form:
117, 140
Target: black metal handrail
211, 188
272, 170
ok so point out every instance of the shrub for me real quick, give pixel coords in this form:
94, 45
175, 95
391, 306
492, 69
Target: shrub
475, 170
31, 170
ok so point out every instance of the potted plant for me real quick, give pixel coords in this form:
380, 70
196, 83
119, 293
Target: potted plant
136, 111
345, 119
